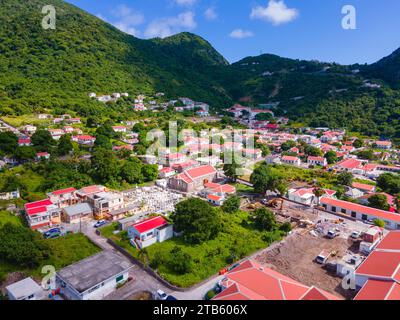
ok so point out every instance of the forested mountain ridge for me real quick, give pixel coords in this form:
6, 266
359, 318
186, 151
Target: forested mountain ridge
58, 68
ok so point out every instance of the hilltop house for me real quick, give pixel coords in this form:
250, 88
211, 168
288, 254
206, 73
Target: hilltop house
289, 160
317, 161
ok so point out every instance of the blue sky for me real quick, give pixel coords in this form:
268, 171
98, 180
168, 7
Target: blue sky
303, 29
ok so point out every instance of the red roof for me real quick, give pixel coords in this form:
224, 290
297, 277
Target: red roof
150, 224
381, 214
214, 197
383, 264
363, 186
36, 210
379, 290
195, 173
390, 242
319, 159
289, 158
349, 164
41, 203
251, 281
63, 191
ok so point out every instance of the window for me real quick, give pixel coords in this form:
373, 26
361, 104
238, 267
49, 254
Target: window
354, 214
364, 217
119, 278
333, 209
343, 210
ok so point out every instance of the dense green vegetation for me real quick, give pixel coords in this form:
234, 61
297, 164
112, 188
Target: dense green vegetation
238, 238
24, 250
42, 70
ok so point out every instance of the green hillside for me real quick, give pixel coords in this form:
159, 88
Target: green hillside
50, 68
56, 69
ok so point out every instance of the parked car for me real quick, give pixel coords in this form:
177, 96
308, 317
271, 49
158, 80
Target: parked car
332, 234
100, 223
161, 295
171, 298
52, 235
355, 234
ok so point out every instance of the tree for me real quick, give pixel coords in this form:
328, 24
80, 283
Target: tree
397, 202
288, 145
378, 201
345, 179
358, 143
179, 261
389, 183
21, 246
264, 219
379, 223
264, 179
150, 172
131, 172
103, 142
197, 220
286, 227
282, 188
331, 157
231, 170
8, 142
25, 153
232, 204
318, 193
265, 116
104, 166
65, 145
43, 141
312, 151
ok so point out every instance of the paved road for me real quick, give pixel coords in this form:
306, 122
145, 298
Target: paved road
142, 281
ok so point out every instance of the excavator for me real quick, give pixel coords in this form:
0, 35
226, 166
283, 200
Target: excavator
276, 203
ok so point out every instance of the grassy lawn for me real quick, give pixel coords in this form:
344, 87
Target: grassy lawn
67, 250
8, 217
22, 120
238, 237
62, 251
243, 188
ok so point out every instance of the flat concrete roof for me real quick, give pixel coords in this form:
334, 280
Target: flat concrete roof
91, 271
23, 288
81, 209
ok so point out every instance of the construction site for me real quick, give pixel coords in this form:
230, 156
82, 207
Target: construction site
313, 233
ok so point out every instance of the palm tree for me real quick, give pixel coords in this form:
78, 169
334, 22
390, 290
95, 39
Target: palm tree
318, 193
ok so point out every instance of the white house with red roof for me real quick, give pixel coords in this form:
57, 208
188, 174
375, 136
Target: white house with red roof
307, 197
41, 214
119, 129
216, 193
169, 159
166, 173
84, 139
378, 277
150, 231
366, 188
192, 179
42, 155
290, 160
251, 281
317, 161
252, 153
64, 197
24, 142
360, 212
350, 165
386, 145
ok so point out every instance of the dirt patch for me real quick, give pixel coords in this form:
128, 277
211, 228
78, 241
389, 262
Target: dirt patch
294, 258
144, 295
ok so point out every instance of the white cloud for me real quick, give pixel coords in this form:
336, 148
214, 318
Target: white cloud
128, 19
166, 27
241, 34
186, 3
276, 12
211, 14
